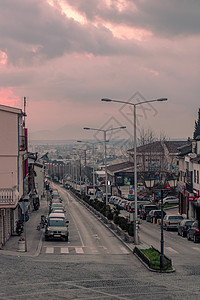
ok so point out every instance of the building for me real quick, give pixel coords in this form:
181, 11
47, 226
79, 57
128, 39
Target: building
189, 179
158, 158
13, 168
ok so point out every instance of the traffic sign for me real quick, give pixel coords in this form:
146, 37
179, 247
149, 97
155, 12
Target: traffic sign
24, 206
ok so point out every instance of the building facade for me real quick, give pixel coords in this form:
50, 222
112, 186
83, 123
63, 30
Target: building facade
13, 168
189, 179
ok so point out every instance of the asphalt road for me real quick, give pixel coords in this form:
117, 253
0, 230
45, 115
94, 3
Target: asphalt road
94, 264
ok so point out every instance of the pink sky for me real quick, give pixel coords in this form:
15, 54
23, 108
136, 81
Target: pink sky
65, 55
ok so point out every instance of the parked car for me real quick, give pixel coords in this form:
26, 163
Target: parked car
57, 215
55, 206
145, 210
171, 221
193, 232
57, 210
56, 228
170, 200
154, 214
131, 207
123, 203
183, 227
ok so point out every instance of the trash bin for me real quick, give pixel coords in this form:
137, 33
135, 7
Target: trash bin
21, 245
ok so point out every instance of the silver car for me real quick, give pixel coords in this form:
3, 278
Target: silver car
56, 228
170, 200
172, 221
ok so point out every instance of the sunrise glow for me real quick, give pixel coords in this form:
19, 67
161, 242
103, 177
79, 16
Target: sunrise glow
8, 98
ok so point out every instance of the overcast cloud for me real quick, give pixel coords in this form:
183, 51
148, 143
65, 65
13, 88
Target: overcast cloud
65, 55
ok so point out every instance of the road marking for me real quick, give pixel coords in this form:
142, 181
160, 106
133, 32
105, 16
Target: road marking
171, 249
64, 250
79, 250
49, 249
195, 248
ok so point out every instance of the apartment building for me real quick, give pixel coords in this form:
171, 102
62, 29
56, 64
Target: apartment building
189, 179
13, 168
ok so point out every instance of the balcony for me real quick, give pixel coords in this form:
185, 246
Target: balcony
8, 198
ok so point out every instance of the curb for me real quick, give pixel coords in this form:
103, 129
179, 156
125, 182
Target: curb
152, 270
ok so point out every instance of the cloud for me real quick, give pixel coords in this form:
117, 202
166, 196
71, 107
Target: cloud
38, 32
168, 19
64, 65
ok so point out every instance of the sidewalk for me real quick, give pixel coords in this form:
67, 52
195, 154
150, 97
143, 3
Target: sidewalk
33, 236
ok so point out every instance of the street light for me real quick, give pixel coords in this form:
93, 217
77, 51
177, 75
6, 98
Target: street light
172, 181
105, 131
135, 157
93, 144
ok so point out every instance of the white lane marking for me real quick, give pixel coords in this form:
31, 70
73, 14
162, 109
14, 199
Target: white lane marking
49, 249
124, 250
195, 248
171, 249
94, 251
64, 250
79, 250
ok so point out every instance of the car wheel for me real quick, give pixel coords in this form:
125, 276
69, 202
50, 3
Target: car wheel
46, 238
188, 236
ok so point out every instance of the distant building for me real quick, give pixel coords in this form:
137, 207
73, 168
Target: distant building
158, 157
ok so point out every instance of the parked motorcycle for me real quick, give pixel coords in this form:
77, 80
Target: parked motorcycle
19, 227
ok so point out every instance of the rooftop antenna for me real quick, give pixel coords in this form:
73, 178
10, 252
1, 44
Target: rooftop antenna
24, 113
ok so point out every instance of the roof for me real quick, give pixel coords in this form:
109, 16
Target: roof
157, 147
173, 146
150, 147
120, 167
11, 109
185, 149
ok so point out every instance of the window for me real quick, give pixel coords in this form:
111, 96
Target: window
195, 176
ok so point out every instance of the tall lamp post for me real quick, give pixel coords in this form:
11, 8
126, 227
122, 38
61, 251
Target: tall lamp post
135, 157
105, 159
93, 144
150, 182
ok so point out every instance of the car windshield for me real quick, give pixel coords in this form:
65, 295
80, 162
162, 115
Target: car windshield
175, 217
149, 207
57, 223
188, 222
157, 212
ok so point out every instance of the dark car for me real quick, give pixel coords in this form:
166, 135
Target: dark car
154, 215
183, 227
145, 210
193, 232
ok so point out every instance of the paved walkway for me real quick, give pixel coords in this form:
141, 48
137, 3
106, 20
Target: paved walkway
33, 236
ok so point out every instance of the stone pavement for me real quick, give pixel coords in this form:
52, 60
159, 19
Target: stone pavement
33, 235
